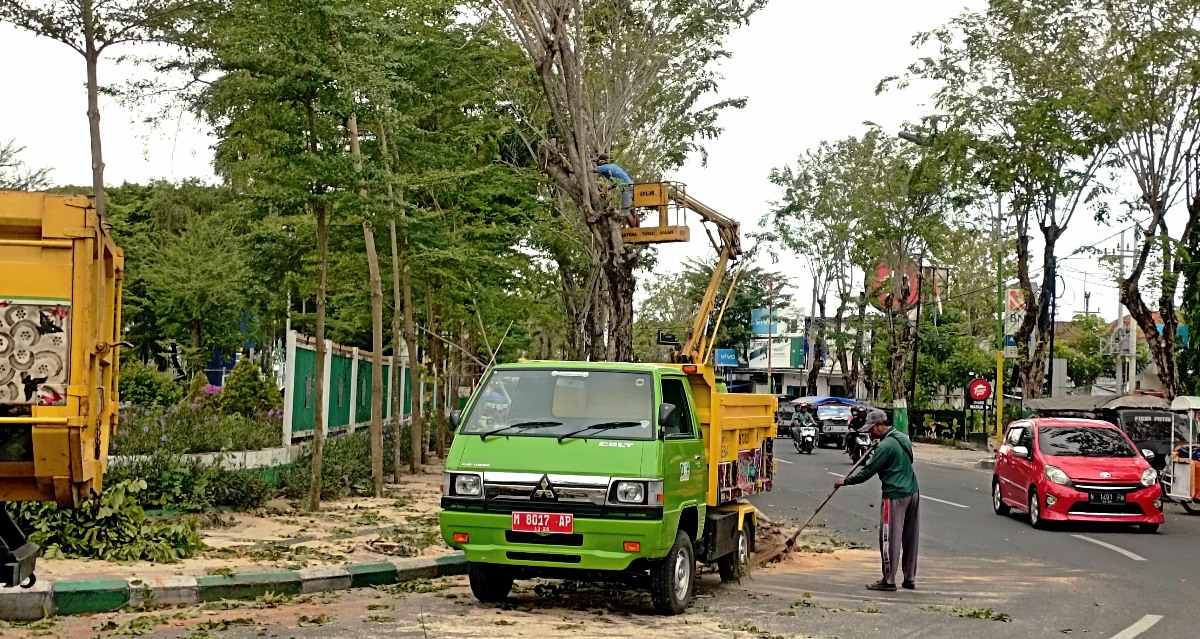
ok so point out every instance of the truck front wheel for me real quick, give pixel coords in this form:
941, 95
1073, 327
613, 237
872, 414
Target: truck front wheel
489, 583
672, 579
734, 565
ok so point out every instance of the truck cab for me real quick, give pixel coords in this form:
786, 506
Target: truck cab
605, 471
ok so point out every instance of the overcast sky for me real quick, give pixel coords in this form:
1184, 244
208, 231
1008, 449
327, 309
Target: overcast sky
808, 69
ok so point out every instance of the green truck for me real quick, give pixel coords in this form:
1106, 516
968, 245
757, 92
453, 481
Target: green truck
609, 471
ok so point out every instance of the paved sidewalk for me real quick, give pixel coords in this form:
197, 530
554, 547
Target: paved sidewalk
945, 455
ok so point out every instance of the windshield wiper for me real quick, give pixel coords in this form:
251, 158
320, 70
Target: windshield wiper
601, 426
484, 436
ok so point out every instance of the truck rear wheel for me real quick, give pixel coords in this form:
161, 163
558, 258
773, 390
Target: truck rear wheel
672, 579
489, 583
734, 566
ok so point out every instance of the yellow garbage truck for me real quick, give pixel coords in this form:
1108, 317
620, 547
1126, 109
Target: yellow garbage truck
60, 339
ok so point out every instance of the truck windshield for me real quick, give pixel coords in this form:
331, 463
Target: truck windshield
570, 399
833, 411
1150, 426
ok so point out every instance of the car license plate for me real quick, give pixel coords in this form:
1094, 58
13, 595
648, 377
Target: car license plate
837, 429
1106, 498
543, 523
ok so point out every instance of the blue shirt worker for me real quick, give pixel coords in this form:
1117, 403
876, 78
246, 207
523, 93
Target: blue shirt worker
892, 460
618, 175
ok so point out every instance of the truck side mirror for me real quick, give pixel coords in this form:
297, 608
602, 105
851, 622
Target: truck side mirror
668, 417
455, 418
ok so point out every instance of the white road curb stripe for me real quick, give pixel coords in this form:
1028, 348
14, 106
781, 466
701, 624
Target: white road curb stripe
1138, 628
782, 461
943, 501
1117, 549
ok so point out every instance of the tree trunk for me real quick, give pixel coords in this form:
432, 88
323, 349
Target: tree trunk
397, 376
92, 60
819, 350
437, 361
376, 361
318, 452
858, 370
320, 213
417, 452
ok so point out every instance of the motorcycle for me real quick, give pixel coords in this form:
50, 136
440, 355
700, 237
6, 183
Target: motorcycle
805, 439
858, 445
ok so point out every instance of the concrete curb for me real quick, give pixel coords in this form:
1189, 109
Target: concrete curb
88, 596
987, 464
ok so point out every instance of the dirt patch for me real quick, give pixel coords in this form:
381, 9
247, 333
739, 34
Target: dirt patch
357, 530
442, 608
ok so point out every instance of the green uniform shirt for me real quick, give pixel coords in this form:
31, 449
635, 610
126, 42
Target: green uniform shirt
892, 460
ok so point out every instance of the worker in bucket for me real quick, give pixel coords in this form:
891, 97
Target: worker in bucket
616, 175
892, 460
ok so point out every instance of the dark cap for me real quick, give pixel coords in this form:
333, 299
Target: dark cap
875, 416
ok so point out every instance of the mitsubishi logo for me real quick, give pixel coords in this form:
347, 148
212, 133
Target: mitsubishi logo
544, 489
1105, 474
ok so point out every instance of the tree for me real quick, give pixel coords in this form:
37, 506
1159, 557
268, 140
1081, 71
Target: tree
1087, 352
664, 309
1144, 79
755, 288
90, 27
1021, 122
886, 204
197, 282
606, 69
950, 354
815, 220
15, 175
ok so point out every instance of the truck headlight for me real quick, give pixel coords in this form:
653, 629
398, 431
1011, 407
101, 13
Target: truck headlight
1149, 477
1056, 475
467, 485
631, 492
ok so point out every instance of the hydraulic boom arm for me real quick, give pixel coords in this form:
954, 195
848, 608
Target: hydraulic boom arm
727, 242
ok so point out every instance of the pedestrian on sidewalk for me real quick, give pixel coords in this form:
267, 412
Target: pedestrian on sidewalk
892, 460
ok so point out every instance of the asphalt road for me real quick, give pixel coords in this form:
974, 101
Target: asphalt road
981, 576
1098, 580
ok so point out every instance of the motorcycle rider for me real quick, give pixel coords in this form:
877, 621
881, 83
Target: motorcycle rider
858, 419
801, 418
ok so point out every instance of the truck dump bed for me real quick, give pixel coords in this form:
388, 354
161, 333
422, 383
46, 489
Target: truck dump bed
739, 437
60, 319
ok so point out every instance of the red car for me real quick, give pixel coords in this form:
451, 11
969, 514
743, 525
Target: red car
1075, 470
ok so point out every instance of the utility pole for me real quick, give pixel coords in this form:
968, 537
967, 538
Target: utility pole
1053, 317
1125, 335
810, 333
912, 383
997, 231
770, 333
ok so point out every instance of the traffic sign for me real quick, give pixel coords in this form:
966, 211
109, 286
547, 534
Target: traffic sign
1010, 347
979, 390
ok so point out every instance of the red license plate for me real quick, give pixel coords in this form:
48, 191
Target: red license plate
543, 523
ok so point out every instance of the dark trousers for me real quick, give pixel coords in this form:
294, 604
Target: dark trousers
898, 532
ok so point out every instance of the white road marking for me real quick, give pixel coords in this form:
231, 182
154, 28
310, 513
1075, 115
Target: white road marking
1117, 549
943, 501
782, 460
952, 466
836, 474
1138, 628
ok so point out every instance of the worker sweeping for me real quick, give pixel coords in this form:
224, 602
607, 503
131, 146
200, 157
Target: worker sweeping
892, 460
